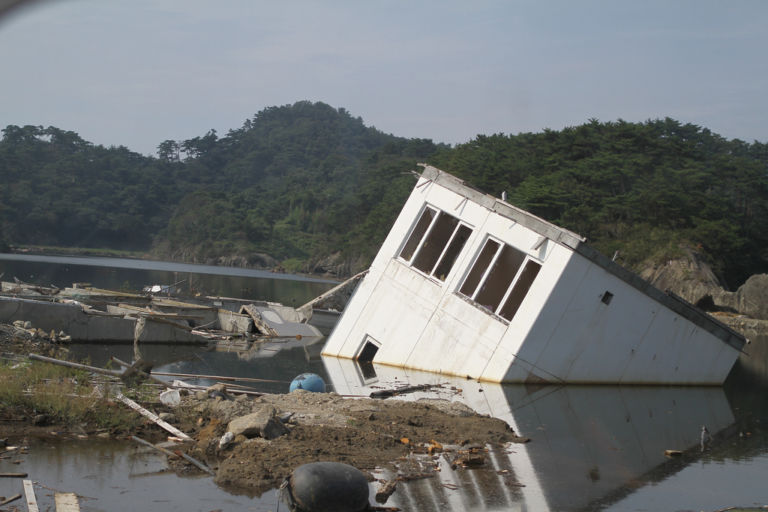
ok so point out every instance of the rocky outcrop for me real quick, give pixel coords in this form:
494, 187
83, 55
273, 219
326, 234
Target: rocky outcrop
745, 310
689, 276
338, 265
751, 299
692, 279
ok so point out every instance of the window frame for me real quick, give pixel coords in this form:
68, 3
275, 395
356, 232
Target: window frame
437, 214
497, 310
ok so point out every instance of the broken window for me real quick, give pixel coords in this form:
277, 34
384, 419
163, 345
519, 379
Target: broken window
500, 278
435, 243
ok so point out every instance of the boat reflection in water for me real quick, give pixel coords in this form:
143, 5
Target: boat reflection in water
590, 445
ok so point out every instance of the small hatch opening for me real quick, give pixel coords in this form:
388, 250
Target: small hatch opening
365, 359
607, 297
368, 352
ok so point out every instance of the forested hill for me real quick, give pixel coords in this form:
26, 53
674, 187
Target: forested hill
294, 183
642, 189
312, 188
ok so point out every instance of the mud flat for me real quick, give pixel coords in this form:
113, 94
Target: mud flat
405, 438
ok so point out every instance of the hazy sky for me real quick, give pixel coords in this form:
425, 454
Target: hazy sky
137, 72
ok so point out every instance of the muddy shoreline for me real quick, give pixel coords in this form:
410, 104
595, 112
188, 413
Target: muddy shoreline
403, 439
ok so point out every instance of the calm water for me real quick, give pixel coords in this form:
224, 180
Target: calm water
592, 448
132, 275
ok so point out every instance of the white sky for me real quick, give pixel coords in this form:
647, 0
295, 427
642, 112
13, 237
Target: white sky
137, 72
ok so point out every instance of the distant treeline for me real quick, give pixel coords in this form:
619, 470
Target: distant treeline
298, 183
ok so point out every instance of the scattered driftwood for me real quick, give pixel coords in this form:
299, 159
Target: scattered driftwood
29, 491
471, 457
385, 491
176, 453
78, 366
197, 463
9, 500
66, 502
217, 377
228, 388
140, 369
386, 393
162, 450
152, 416
13, 475
131, 376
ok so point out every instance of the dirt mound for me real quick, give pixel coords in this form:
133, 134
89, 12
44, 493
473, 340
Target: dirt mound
364, 433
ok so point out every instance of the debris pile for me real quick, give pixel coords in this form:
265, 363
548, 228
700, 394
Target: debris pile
254, 444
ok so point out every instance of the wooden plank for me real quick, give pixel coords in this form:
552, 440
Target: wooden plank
13, 475
177, 453
66, 502
152, 416
9, 500
79, 366
29, 491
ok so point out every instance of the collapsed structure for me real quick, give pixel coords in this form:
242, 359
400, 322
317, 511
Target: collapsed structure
467, 284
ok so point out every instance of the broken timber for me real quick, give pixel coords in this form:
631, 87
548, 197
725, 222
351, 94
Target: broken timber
10, 499
29, 491
176, 453
152, 416
66, 502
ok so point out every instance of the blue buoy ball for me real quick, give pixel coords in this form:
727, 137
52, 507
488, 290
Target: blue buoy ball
310, 382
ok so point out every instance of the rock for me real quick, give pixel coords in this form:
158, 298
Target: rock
226, 440
751, 298
260, 423
222, 388
692, 279
170, 397
167, 416
688, 276
218, 392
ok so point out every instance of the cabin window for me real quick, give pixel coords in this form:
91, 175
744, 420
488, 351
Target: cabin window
500, 278
435, 242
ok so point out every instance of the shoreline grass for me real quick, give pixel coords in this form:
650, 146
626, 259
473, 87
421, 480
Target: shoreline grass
64, 396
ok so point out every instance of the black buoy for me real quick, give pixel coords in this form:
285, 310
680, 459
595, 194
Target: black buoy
328, 487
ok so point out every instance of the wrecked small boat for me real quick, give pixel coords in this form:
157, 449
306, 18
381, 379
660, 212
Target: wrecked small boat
88, 314
467, 284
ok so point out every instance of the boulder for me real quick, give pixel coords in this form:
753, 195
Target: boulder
688, 277
262, 423
751, 298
